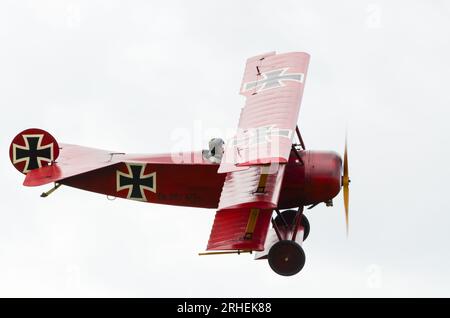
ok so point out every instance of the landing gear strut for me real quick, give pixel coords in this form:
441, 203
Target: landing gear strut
286, 257
289, 217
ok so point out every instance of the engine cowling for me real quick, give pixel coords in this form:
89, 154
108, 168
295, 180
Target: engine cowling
314, 178
323, 171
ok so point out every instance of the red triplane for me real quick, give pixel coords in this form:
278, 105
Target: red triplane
258, 172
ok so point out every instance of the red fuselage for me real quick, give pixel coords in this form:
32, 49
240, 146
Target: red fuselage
313, 179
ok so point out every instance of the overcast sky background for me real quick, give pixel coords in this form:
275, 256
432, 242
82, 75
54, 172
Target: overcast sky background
131, 75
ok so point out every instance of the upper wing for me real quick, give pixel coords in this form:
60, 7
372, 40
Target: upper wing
273, 87
255, 159
73, 160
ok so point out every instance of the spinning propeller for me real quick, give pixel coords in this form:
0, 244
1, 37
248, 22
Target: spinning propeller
345, 184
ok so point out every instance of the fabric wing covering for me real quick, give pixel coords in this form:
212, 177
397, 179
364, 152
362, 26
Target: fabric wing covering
255, 158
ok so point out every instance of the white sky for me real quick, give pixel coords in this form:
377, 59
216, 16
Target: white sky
130, 75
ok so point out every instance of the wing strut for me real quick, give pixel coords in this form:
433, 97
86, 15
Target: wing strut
300, 139
295, 146
297, 154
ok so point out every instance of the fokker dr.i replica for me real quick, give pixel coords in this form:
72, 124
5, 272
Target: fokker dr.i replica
260, 173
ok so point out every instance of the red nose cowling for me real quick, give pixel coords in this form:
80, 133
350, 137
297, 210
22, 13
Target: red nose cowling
323, 176
316, 178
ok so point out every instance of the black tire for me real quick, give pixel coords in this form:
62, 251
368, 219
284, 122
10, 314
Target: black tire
289, 216
286, 258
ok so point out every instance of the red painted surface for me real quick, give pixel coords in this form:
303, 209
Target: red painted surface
239, 188
194, 185
199, 185
273, 88
229, 228
195, 182
73, 160
263, 161
318, 180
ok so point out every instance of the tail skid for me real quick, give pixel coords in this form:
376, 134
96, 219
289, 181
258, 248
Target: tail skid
47, 193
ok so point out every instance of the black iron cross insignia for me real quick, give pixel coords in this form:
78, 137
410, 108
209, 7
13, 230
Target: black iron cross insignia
274, 79
135, 181
33, 153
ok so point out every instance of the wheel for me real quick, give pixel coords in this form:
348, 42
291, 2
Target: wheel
289, 216
286, 258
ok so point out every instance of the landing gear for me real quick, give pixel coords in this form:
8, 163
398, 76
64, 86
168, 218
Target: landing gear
286, 258
289, 217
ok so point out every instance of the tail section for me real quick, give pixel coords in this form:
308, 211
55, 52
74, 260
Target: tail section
33, 149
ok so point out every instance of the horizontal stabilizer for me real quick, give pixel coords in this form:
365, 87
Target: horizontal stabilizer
73, 160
